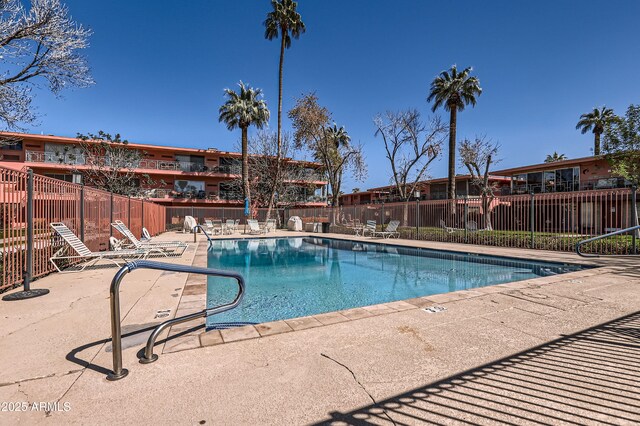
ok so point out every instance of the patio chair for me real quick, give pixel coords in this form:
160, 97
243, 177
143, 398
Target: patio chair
472, 226
216, 227
254, 227
175, 248
230, 227
89, 257
391, 231
444, 226
370, 227
270, 225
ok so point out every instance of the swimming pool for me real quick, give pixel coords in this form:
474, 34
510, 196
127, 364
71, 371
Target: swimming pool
293, 277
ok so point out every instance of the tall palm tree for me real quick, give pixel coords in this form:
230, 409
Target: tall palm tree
552, 158
241, 110
596, 121
454, 90
284, 22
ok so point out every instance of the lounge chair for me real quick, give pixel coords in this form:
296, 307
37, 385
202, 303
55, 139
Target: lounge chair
370, 227
444, 226
270, 225
254, 227
472, 226
215, 227
229, 227
391, 231
174, 248
89, 257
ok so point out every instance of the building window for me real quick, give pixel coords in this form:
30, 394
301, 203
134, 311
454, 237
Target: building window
12, 146
189, 188
73, 178
191, 163
534, 182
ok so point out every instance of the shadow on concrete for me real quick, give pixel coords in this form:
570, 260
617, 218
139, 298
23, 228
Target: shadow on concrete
143, 332
590, 377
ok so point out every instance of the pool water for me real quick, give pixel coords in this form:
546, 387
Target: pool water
300, 276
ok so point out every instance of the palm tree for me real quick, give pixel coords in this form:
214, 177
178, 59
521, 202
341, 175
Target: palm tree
284, 22
552, 158
454, 90
241, 110
329, 154
596, 121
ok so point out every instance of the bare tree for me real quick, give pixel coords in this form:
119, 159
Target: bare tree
411, 145
329, 145
110, 164
39, 44
289, 185
478, 156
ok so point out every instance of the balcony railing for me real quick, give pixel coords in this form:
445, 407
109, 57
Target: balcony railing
217, 195
168, 165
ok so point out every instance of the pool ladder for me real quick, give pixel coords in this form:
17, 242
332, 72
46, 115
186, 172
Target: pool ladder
148, 356
206, 234
611, 234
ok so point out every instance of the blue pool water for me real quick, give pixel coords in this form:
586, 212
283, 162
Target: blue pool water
294, 277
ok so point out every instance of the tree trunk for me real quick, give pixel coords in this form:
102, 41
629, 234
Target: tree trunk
279, 131
452, 153
245, 164
596, 143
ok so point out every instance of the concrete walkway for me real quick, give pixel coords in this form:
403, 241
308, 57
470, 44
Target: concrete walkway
532, 352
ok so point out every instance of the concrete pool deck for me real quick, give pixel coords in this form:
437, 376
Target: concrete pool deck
543, 350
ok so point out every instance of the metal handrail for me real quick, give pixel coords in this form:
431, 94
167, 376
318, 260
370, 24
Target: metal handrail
600, 237
116, 331
206, 234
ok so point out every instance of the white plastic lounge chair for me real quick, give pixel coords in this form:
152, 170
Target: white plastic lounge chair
229, 227
91, 257
472, 226
444, 226
254, 227
169, 247
370, 227
391, 231
270, 225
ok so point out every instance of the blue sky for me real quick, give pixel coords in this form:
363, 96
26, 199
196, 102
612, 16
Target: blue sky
160, 68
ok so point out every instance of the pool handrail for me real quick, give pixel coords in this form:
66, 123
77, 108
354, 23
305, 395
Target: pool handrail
600, 237
204, 231
116, 331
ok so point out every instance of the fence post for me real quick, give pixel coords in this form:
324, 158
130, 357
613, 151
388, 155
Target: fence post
417, 217
466, 219
111, 214
27, 293
129, 215
532, 218
634, 220
82, 213
382, 218
142, 214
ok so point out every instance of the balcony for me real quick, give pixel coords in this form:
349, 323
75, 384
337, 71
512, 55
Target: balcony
148, 164
228, 196
552, 187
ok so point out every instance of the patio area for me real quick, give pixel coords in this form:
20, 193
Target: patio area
560, 349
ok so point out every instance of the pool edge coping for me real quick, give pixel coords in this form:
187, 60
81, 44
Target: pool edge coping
193, 299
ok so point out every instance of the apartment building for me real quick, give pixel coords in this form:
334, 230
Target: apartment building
183, 176
432, 189
579, 174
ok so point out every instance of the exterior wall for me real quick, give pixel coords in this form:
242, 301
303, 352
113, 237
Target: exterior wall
162, 164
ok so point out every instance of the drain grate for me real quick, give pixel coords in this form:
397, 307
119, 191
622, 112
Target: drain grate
163, 313
435, 309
